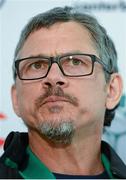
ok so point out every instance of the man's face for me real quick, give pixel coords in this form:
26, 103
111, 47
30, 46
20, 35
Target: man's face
59, 100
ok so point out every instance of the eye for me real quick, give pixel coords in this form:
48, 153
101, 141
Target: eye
76, 62
36, 65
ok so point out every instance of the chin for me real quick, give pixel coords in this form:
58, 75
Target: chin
59, 132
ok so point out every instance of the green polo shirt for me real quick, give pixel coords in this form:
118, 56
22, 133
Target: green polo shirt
37, 170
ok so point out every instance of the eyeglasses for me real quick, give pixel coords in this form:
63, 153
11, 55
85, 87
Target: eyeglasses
72, 65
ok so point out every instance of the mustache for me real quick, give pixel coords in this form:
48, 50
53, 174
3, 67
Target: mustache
57, 91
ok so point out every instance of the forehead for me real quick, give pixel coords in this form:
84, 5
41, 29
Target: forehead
58, 39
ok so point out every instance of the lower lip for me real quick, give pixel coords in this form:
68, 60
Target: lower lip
54, 102
54, 107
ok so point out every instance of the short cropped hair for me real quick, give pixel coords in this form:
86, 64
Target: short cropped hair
103, 43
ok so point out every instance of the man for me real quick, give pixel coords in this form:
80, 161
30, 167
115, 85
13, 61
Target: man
66, 88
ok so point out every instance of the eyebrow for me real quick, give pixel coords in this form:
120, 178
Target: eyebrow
46, 56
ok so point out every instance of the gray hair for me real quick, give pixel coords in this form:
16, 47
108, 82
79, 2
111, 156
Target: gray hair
104, 45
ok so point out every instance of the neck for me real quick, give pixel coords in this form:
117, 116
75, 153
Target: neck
81, 157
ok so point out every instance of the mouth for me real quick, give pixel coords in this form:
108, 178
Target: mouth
54, 99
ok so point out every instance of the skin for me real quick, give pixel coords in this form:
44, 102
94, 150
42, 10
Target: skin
82, 156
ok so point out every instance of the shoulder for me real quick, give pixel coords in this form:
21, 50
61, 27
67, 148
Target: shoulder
117, 166
8, 173
14, 153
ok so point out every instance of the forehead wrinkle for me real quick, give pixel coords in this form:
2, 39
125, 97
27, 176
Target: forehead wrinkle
57, 34
59, 27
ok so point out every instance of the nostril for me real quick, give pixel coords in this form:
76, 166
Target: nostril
60, 83
52, 84
48, 84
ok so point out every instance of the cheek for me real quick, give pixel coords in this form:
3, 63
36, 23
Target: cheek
26, 98
91, 94
91, 105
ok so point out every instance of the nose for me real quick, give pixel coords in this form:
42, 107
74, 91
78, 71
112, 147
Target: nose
55, 77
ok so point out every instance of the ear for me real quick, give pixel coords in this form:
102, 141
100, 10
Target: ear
14, 98
114, 91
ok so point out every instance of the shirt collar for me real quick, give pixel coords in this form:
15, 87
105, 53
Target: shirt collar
35, 169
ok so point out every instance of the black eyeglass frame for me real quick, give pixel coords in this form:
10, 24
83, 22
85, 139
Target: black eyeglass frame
57, 60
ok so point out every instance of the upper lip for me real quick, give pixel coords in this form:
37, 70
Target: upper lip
54, 99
